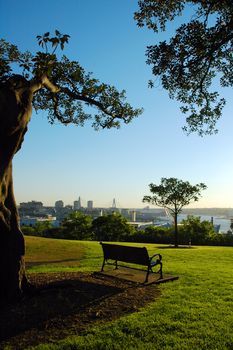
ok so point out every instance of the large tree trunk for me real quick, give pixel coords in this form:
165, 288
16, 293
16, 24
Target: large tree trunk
12, 271
15, 113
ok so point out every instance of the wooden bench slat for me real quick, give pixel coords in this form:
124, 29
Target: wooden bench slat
134, 255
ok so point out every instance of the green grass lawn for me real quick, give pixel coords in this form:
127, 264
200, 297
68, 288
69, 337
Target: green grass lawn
51, 255
193, 313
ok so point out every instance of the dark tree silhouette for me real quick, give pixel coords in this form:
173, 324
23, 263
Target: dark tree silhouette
61, 87
200, 52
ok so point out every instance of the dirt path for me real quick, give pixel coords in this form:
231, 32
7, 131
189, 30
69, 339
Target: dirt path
66, 304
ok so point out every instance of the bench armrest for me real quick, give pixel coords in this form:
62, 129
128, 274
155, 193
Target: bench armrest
159, 257
157, 261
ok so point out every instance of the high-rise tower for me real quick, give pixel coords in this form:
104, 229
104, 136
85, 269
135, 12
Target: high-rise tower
114, 203
77, 204
90, 205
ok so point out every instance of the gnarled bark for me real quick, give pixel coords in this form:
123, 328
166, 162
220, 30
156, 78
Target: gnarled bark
15, 113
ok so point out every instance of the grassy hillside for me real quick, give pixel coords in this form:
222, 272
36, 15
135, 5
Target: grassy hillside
44, 254
195, 312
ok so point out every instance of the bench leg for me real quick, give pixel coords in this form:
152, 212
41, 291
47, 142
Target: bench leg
116, 266
147, 274
161, 270
102, 269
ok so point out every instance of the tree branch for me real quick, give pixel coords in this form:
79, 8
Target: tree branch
89, 100
37, 84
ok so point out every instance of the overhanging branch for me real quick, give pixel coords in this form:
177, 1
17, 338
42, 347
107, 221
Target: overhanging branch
88, 100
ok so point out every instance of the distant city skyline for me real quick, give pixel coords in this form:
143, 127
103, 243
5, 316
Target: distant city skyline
84, 204
34, 212
64, 162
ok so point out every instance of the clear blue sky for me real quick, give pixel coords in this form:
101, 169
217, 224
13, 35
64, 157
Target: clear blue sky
58, 162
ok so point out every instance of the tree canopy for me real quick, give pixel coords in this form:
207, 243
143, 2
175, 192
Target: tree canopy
112, 227
173, 194
199, 53
67, 90
198, 232
76, 226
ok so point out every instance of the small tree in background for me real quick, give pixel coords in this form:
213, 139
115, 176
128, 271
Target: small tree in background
77, 226
113, 227
174, 194
42, 227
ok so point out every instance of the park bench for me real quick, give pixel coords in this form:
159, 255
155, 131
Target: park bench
132, 255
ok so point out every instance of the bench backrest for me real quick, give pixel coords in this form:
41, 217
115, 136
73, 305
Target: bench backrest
135, 255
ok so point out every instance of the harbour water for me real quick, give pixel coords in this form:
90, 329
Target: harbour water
223, 222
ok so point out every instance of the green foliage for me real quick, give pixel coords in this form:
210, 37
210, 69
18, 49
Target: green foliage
191, 231
77, 226
58, 40
28, 230
42, 226
174, 194
197, 231
76, 90
154, 234
43, 229
199, 53
113, 227
40, 229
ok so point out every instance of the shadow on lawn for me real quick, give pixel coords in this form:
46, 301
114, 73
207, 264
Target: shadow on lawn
66, 304
179, 247
46, 262
55, 300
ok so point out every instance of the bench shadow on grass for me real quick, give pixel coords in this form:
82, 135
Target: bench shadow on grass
53, 308
179, 247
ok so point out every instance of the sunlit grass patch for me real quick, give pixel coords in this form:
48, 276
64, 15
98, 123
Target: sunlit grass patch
47, 255
195, 312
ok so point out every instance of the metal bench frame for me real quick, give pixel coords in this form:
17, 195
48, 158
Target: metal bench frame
133, 255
